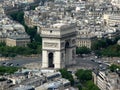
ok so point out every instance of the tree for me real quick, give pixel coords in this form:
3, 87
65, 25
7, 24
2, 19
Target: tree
33, 45
65, 74
98, 44
18, 16
83, 75
39, 49
82, 50
114, 67
111, 51
8, 70
98, 53
79, 87
38, 38
91, 86
2, 44
116, 39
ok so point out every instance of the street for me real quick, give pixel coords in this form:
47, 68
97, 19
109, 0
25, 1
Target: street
83, 63
21, 61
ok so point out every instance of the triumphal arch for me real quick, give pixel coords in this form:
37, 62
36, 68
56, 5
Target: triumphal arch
58, 45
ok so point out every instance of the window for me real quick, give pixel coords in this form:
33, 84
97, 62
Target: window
50, 31
62, 56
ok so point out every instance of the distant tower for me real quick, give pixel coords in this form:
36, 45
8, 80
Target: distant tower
58, 45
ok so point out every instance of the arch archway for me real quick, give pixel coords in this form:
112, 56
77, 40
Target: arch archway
67, 45
67, 52
50, 60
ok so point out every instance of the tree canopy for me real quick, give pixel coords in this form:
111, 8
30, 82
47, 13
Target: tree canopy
91, 86
7, 51
114, 67
102, 43
65, 74
83, 75
85, 80
106, 47
8, 70
82, 50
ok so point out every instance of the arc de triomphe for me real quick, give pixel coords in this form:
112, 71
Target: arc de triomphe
58, 45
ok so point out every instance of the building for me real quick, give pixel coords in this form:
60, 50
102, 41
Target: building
116, 3
106, 80
85, 38
60, 84
4, 83
22, 87
59, 45
85, 42
112, 19
18, 40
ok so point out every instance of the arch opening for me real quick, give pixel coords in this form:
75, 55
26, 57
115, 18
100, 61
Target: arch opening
50, 60
67, 45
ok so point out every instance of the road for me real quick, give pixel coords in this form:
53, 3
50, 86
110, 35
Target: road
22, 61
88, 63
80, 62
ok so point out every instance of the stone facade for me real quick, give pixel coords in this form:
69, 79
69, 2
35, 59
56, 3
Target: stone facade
107, 80
17, 41
59, 45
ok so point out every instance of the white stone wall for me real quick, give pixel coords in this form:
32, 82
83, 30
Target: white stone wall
50, 32
44, 59
62, 56
51, 44
57, 59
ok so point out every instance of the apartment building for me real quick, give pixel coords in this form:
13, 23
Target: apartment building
18, 41
107, 80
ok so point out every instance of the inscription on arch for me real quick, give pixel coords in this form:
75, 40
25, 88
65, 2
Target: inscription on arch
53, 45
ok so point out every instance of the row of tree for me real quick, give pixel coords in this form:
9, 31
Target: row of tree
102, 47
102, 43
7, 51
7, 70
82, 50
106, 47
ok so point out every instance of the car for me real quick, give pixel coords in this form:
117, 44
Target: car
92, 60
99, 62
4, 63
70, 72
10, 64
17, 64
118, 61
108, 64
100, 65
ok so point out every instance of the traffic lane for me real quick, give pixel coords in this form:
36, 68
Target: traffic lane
22, 61
86, 62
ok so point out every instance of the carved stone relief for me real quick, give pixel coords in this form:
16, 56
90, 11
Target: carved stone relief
52, 45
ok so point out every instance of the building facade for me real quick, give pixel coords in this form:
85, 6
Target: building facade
107, 80
17, 41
